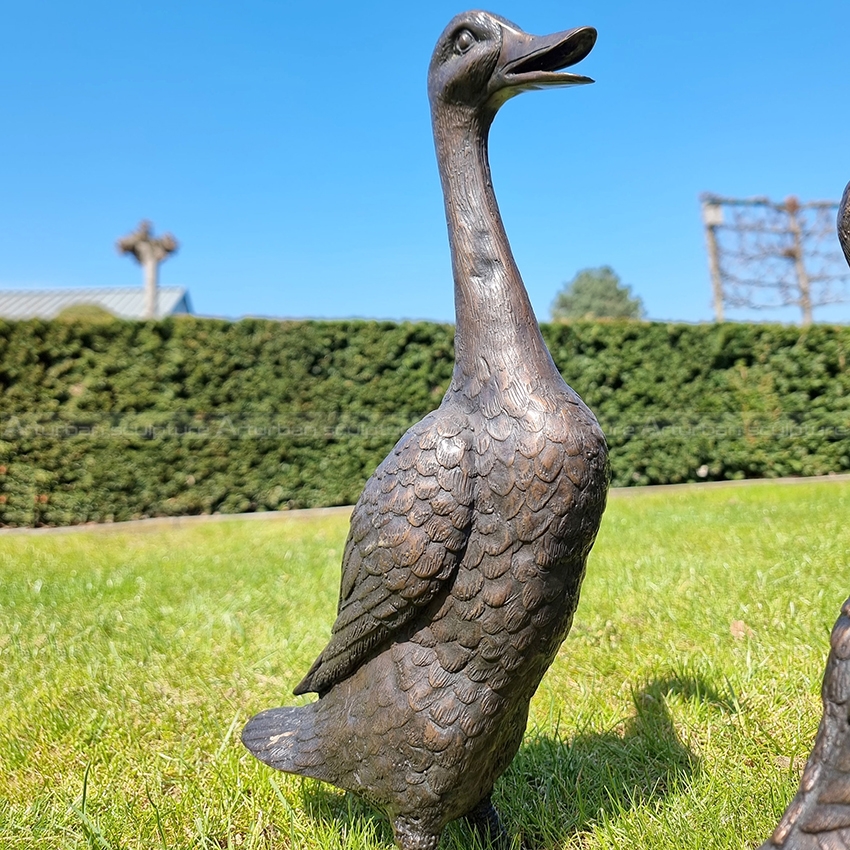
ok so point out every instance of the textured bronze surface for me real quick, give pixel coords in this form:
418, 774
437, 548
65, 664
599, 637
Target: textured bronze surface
844, 223
468, 545
819, 816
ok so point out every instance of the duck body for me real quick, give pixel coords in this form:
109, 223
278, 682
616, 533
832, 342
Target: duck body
468, 545
471, 528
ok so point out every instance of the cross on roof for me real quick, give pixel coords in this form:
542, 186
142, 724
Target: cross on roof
149, 252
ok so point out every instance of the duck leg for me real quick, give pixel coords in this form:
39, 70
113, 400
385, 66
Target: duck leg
485, 820
411, 834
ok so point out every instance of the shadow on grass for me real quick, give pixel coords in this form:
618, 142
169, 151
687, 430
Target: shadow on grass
345, 814
556, 788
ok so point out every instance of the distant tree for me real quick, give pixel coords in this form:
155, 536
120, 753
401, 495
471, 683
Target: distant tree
85, 313
596, 294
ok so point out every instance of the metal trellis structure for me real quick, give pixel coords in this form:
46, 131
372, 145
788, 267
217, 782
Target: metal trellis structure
763, 254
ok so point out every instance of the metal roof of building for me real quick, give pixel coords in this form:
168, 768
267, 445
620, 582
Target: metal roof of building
122, 301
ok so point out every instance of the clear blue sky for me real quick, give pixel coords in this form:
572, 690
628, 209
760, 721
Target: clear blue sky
288, 146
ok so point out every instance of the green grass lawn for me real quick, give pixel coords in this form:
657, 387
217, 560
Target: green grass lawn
677, 714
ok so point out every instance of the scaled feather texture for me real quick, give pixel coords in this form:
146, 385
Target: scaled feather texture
819, 816
467, 547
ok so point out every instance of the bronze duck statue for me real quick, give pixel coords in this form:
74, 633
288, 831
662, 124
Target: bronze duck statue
467, 547
818, 818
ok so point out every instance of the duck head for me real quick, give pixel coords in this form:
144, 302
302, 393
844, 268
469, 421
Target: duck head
481, 60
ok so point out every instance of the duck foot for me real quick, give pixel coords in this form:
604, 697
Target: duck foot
485, 820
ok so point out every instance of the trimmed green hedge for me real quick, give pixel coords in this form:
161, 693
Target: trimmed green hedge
111, 421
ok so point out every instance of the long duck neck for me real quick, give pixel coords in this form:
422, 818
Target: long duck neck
496, 328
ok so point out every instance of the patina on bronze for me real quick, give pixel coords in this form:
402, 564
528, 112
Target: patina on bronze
844, 223
468, 546
818, 818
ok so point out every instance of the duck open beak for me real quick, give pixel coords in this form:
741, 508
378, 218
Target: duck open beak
533, 61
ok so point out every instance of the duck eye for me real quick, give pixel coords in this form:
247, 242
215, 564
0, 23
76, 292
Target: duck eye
463, 41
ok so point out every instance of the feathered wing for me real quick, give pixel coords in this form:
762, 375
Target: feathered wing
408, 533
819, 816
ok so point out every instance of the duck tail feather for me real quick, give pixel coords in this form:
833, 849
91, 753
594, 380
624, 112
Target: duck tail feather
288, 739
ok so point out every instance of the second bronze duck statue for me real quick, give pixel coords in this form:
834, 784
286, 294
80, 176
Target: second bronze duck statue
468, 545
818, 818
